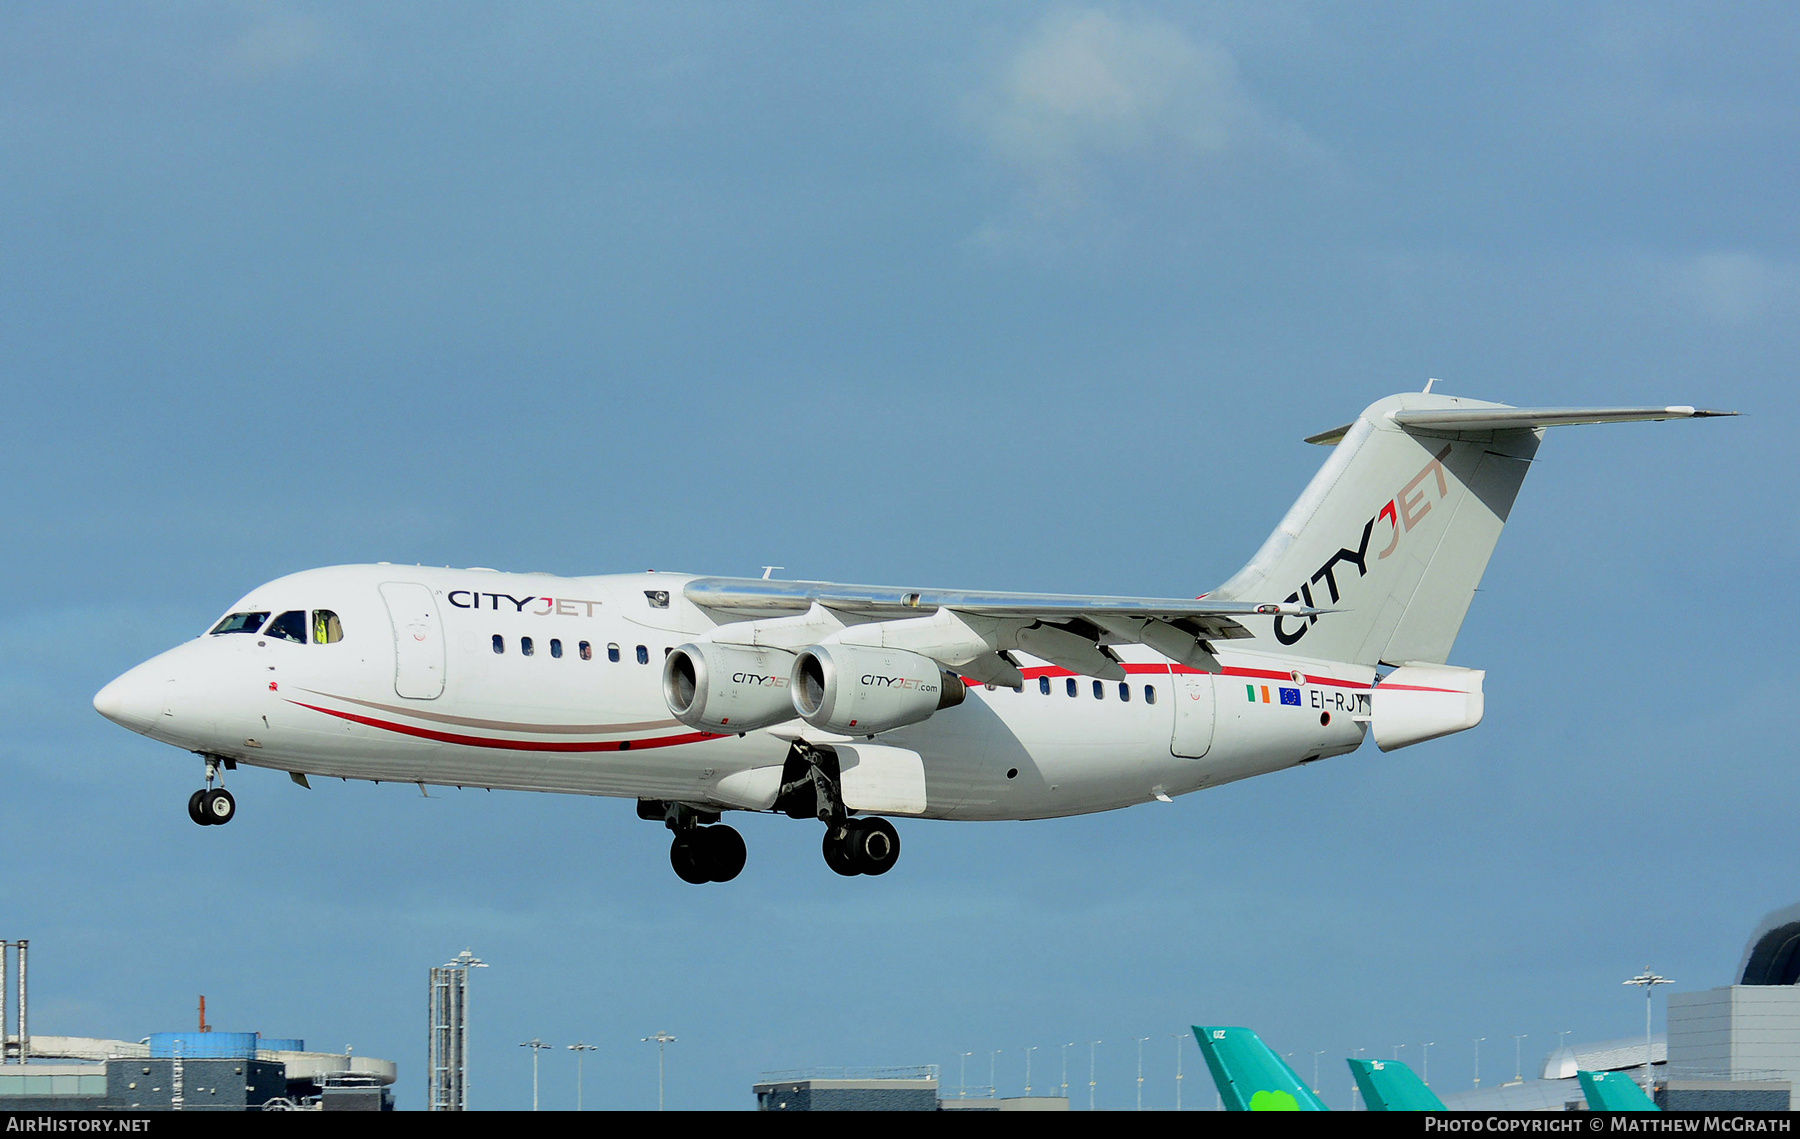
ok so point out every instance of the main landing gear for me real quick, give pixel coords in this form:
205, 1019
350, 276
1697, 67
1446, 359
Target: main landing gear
862, 846
702, 850
212, 806
811, 788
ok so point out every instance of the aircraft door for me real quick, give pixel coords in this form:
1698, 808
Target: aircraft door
1193, 714
418, 640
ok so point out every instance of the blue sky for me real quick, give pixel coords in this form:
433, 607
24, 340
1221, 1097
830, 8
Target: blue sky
589, 288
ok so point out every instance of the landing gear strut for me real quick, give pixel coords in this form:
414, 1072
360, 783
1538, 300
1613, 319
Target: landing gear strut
811, 788
702, 850
212, 806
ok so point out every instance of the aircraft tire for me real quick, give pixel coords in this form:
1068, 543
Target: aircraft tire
196, 810
725, 852
838, 855
874, 845
218, 806
687, 854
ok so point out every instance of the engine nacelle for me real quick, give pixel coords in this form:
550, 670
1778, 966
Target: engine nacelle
728, 688
1419, 702
856, 691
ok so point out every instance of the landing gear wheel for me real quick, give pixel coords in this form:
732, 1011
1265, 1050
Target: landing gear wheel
687, 855
725, 852
838, 854
874, 845
218, 806
196, 809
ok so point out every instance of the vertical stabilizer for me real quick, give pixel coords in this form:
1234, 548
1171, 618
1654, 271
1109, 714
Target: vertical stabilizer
1394, 533
1250, 1076
1389, 1085
1614, 1091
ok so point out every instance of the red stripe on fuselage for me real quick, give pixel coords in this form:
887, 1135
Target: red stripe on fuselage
513, 745
1163, 669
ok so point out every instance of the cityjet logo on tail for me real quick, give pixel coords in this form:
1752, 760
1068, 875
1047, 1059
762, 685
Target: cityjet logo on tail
1402, 512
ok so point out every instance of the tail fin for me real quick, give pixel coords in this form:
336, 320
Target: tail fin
1389, 1085
1397, 527
1250, 1076
1614, 1091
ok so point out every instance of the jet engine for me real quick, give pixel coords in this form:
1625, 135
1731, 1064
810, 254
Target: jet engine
728, 688
853, 690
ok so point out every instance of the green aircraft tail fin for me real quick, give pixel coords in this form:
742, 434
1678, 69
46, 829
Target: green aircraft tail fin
1250, 1076
1389, 1085
1614, 1091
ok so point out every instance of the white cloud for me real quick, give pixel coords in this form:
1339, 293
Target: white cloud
280, 41
1737, 288
1087, 89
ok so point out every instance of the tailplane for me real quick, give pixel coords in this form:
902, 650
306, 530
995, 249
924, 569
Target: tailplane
1396, 529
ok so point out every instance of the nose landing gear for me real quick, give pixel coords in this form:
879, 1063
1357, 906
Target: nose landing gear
212, 806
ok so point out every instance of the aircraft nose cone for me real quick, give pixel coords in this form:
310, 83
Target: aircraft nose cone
134, 700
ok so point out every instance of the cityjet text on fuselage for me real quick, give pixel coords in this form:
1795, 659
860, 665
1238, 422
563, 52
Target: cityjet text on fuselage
542, 606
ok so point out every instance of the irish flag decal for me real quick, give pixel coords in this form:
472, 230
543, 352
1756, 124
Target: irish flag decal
1259, 694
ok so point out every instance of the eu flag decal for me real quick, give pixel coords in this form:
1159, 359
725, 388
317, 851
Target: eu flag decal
1290, 696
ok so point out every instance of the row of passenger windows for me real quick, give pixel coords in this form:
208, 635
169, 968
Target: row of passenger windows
528, 647
324, 628
1073, 688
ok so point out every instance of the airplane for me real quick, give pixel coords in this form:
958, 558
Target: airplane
1614, 1091
853, 704
1390, 1085
1250, 1076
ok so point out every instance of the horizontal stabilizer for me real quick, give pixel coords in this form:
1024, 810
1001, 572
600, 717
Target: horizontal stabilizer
1517, 418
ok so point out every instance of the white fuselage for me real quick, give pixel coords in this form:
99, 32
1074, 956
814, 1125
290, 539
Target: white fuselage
404, 696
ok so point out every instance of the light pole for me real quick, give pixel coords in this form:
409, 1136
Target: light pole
1478, 1041
1518, 1070
1648, 982
993, 1089
1065, 1083
1179, 1037
1140, 1044
536, 1046
1426, 1048
1354, 1090
1092, 1044
962, 1074
578, 1049
1028, 1053
1315, 1083
662, 1040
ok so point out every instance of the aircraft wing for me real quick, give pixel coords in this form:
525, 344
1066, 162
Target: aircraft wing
972, 630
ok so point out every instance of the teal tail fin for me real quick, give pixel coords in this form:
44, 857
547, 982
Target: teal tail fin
1389, 1085
1614, 1091
1251, 1077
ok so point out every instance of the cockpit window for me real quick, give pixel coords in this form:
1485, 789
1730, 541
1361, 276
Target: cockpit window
326, 628
241, 623
289, 626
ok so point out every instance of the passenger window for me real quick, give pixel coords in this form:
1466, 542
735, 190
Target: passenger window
1044, 685
290, 626
555, 648
327, 630
1099, 690
643, 655
1124, 692
525, 646
1149, 694
612, 653
587, 651
499, 643
1070, 684
241, 623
